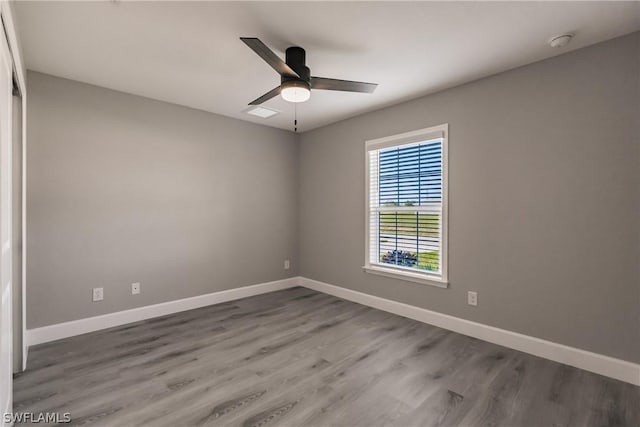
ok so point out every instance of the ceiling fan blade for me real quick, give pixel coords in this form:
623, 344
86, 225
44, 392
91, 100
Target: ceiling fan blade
269, 56
267, 96
323, 83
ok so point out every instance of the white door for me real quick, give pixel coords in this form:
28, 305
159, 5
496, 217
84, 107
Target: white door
6, 365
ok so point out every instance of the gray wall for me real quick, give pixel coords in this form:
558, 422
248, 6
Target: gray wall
125, 189
544, 200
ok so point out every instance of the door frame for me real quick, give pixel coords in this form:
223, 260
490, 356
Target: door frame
7, 15
6, 231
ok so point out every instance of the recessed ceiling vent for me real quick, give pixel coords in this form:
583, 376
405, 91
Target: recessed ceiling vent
262, 112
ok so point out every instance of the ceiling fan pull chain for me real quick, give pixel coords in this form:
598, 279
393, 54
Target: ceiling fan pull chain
295, 117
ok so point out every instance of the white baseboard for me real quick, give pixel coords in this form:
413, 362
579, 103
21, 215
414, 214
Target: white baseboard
604, 365
589, 361
91, 324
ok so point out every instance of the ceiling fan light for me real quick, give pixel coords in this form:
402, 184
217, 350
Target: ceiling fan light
295, 91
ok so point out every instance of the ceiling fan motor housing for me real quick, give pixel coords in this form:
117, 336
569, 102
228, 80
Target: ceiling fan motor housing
295, 57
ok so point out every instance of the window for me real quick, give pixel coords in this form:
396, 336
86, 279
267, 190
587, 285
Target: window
407, 206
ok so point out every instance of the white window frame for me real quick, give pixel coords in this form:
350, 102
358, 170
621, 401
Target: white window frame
412, 275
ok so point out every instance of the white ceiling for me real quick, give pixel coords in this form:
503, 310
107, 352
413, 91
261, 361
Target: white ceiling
190, 53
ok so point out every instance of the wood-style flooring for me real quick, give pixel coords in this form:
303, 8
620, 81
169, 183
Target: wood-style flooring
301, 358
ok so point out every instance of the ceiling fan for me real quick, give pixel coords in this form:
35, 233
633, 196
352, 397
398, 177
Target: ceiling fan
296, 81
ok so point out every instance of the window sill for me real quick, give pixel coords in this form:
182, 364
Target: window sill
406, 275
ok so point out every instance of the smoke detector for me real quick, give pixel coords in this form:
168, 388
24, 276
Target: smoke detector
561, 40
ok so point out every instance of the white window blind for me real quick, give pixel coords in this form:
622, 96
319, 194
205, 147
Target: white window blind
407, 203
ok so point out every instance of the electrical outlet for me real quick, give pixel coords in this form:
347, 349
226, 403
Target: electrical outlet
287, 264
472, 298
98, 294
135, 288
